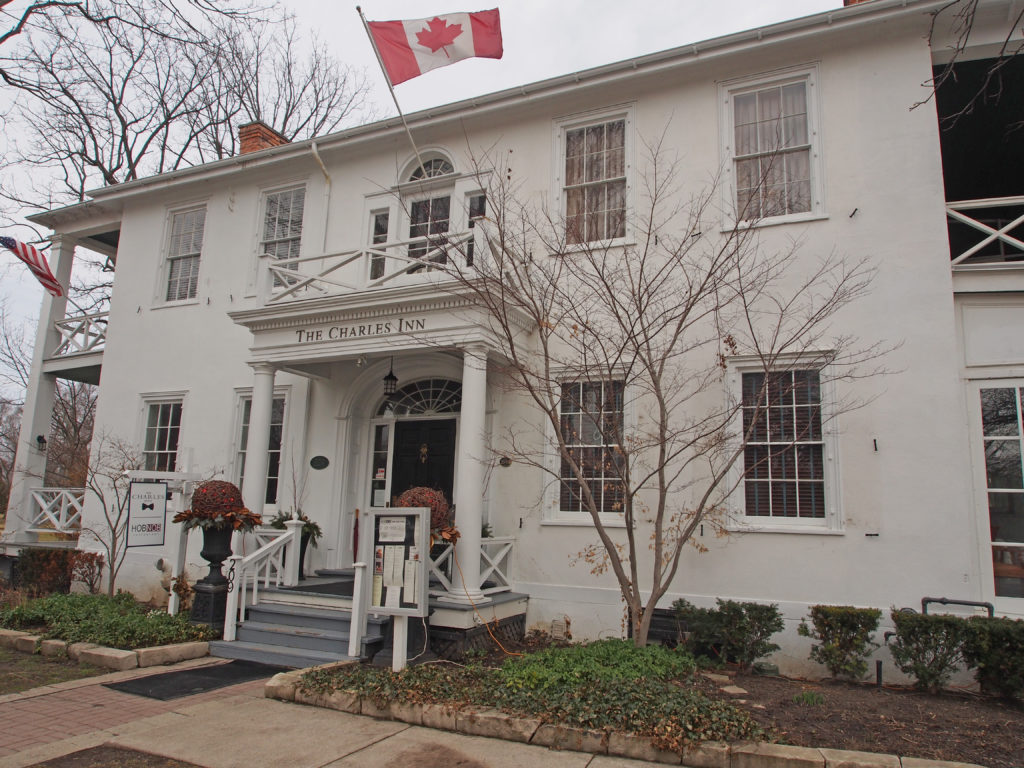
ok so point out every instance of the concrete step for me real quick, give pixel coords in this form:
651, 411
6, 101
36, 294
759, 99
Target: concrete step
312, 617
293, 637
271, 654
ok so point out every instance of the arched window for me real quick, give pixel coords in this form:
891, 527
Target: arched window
431, 169
426, 397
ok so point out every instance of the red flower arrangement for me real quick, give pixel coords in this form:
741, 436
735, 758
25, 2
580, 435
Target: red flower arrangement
217, 504
442, 525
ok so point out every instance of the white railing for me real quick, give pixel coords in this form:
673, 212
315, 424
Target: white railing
82, 333
495, 562
57, 510
996, 218
399, 263
274, 563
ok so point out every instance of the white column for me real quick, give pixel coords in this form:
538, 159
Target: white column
469, 477
257, 453
30, 461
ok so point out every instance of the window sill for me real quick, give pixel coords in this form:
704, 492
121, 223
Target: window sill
596, 245
803, 530
170, 304
582, 522
774, 221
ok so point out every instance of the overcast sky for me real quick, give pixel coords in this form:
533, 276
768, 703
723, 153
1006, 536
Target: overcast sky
541, 39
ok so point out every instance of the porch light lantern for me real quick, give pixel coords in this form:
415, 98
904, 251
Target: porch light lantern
391, 381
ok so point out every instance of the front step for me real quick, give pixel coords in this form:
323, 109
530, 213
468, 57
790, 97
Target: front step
297, 635
273, 654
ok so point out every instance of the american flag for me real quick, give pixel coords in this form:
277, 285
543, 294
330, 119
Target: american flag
36, 262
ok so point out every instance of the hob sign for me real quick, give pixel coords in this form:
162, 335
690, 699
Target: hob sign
360, 330
147, 512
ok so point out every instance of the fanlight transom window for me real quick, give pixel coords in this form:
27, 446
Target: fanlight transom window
424, 398
432, 169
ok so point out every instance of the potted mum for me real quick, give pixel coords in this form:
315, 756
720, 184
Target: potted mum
442, 521
217, 509
311, 534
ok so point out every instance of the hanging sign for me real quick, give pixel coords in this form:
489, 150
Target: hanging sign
147, 514
401, 548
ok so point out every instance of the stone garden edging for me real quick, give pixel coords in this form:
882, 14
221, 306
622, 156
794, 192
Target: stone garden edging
477, 721
100, 656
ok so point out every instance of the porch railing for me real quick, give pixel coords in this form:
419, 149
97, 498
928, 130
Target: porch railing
81, 333
495, 566
1000, 222
274, 563
57, 510
402, 262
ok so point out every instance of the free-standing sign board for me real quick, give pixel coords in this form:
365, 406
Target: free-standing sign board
147, 514
401, 548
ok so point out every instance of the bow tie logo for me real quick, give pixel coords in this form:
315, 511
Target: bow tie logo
147, 506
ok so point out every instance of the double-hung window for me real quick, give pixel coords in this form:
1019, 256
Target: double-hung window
771, 139
163, 428
594, 180
591, 414
273, 447
282, 223
183, 252
785, 450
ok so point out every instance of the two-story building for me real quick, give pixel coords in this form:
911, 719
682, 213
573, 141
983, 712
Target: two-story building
260, 302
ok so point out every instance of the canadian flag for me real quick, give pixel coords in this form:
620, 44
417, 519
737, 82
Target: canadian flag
410, 48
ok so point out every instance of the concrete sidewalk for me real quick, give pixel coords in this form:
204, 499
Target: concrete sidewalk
236, 727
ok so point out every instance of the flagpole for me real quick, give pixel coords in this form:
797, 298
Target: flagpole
387, 79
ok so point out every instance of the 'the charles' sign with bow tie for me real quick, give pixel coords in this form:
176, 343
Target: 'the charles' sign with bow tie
147, 514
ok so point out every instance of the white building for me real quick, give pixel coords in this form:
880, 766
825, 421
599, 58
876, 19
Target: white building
920, 492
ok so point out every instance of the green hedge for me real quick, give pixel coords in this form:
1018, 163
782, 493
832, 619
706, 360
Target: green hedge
995, 647
928, 647
844, 638
733, 632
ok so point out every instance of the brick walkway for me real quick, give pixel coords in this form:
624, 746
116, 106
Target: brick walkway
49, 714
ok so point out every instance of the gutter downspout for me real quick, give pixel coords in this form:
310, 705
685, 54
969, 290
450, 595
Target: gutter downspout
327, 190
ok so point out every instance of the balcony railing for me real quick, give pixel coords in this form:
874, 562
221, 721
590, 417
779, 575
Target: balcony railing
57, 510
406, 262
1000, 222
495, 566
81, 333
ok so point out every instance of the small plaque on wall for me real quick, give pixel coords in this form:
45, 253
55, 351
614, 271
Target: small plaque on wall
319, 462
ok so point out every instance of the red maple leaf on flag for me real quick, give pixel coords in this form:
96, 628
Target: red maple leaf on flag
438, 33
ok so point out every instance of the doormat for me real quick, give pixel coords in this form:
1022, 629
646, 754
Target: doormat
188, 682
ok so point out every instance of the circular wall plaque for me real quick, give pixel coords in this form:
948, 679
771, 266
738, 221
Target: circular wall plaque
319, 462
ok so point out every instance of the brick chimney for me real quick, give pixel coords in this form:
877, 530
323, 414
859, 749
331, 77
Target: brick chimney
252, 137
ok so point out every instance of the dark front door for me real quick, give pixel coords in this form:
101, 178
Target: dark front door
424, 455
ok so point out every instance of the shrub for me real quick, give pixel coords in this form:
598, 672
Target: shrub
996, 648
844, 636
42, 571
737, 632
116, 622
928, 647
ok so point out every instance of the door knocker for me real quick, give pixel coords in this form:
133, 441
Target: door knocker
423, 453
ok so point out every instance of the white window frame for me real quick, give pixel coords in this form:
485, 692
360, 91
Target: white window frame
568, 123
167, 260
264, 210
242, 395
737, 519
1003, 604
553, 512
148, 401
727, 91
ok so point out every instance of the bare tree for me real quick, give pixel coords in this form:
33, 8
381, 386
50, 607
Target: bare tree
111, 102
954, 23
590, 332
10, 427
110, 461
71, 426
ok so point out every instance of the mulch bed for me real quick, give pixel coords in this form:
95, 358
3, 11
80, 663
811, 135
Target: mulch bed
959, 727
107, 756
